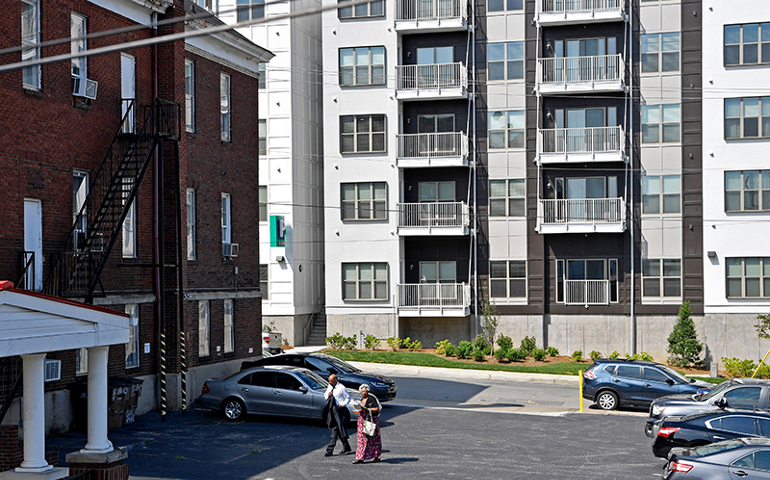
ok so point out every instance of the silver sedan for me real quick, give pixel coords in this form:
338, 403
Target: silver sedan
277, 390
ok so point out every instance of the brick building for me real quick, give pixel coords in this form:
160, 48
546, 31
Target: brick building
125, 172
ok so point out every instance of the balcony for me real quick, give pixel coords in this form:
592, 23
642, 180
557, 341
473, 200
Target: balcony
581, 145
443, 81
426, 16
581, 215
587, 292
436, 219
566, 12
432, 150
600, 73
434, 300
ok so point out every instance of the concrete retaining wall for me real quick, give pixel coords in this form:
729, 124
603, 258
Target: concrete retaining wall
381, 326
291, 327
432, 330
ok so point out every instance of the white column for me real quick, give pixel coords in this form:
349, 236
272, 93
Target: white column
34, 414
97, 402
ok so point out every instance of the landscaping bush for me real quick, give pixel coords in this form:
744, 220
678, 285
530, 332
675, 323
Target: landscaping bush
464, 349
412, 345
349, 343
736, 368
683, 345
615, 354
441, 347
504, 343
516, 355
538, 354
501, 355
577, 356
336, 341
479, 354
552, 351
371, 342
480, 343
451, 350
764, 372
394, 343
594, 355
645, 356
528, 344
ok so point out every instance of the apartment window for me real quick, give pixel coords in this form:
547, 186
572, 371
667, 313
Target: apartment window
502, 5
507, 198
432, 192
191, 227
264, 281
371, 9
661, 277
129, 223
660, 52
227, 225
263, 136
505, 61
364, 201
747, 44
250, 10
362, 133
229, 330
747, 191
748, 277
30, 38
189, 95
660, 123
365, 281
362, 66
508, 279
661, 194
578, 281
204, 329
263, 203
438, 272
262, 83
224, 105
79, 64
81, 361
132, 347
506, 129
747, 117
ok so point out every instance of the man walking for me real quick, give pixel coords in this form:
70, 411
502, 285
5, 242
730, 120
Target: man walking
338, 399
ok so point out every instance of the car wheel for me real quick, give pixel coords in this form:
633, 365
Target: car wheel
233, 409
607, 400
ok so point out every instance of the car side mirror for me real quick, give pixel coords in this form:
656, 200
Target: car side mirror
303, 389
670, 381
332, 370
721, 403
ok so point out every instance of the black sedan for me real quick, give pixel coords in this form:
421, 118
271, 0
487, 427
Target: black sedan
382, 387
707, 427
727, 460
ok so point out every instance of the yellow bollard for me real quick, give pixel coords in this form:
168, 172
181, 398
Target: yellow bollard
580, 373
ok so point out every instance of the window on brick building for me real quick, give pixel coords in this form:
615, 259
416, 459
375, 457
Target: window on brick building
262, 83
79, 64
30, 37
226, 219
189, 94
191, 224
262, 136
229, 330
204, 329
129, 224
224, 105
132, 347
81, 361
263, 281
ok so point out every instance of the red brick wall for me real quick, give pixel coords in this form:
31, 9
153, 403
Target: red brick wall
11, 453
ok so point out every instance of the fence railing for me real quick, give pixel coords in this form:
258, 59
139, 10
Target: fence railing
439, 214
581, 69
28, 279
587, 292
434, 295
582, 140
582, 210
431, 9
428, 145
437, 75
580, 6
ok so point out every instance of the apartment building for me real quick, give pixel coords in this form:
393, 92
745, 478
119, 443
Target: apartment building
291, 162
130, 183
553, 170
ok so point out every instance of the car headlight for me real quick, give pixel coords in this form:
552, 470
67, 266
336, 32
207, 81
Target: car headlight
656, 410
380, 385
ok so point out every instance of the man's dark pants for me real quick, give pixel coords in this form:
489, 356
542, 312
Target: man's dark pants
335, 432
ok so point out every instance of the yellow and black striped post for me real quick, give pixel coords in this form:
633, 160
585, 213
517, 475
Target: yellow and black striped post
183, 368
162, 376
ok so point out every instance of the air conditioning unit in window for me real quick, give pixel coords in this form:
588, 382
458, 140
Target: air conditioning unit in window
84, 87
230, 250
52, 370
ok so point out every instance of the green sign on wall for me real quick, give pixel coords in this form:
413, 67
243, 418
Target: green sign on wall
277, 231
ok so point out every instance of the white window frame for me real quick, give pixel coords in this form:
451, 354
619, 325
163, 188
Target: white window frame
509, 197
762, 276
358, 281
227, 219
510, 58
78, 201
192, 200
262, 139
370, 133
351, 71
508, 278
655, 270
225, 107
513, 121
505, 6
204, 329
660, 187
262, 69
132, 347
375, 206
79, 65
659, 117
745, 189
129, 223
228, 326
30, 38
762, 117
658, 52
357, 10
760, 44
252, 10
189, 94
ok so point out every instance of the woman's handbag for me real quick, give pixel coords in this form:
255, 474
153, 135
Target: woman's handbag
369, 426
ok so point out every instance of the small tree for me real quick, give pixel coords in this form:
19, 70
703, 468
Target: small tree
683, 345
490, 318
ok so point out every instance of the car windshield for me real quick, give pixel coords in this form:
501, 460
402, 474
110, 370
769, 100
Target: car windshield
313, 380
339, 364
715, 391
677, 376
719, 447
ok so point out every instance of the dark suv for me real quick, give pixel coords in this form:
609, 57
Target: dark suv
614, 382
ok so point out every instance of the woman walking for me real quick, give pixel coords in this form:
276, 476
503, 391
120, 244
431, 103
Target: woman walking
369, 447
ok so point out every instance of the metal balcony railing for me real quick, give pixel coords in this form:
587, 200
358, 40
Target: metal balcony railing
580, 6
430, 145
434, 295
433, 76
582, 140
439, 214
430, 9
587, 292
572, 70
582, 211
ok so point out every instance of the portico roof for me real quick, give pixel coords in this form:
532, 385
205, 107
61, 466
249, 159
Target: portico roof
31, 322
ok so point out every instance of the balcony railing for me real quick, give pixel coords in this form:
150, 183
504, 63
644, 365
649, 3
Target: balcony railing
432, 149
582, 215
434, 299
439, 218
554, 12
587, 292
431, 15
442, 80
599, 143
580, 74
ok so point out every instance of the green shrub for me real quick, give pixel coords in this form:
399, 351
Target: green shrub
505, 343
501, 355
414, 345
394, 343
464, 349
479, 354
594, 355
764, 372
646, 357
528, 344
441, 347
336, 341
538, 354
516, 355
552, 351
614, 355
480, 343
371, 342
683, 345
451, 350
349, 343
577, 356
735, 368
269, 327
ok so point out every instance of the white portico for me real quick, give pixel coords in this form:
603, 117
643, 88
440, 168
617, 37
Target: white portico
32, 324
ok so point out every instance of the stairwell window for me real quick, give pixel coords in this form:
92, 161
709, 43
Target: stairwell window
250, 10
226, 219
505, 61
189, 94
661, 194
263, 203
224, 105
748, 277
204, 329
365, 281
264, 281
507, 198
661, 277
78, 45
30, 38
362, 133
502, 5
506, 129
660, 52
132, 347
362, 66
508, 279
657, 119
191, 224
229, 329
